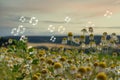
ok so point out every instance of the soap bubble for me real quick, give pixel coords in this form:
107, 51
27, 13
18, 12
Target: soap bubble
61, 29
53, 38
108, 14
22, 19
23, 38
90, 24
67, 19
33, 21
21, 29
51, 28
14, 31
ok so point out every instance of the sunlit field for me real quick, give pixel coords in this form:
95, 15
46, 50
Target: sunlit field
79, 61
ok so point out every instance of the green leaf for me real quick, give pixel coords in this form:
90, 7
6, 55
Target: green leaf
16, 68
51, 69
9, 50
35, 61
30, 50
19, 78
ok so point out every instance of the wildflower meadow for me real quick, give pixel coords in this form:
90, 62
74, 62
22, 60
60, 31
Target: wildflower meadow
81, 61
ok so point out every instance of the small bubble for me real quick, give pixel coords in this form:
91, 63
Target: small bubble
90, 24
17, 31
33, 21
108, 14
53, 38
14, 31
21, 29
67, 19
22, 19
23, 38
61, 29
51, 28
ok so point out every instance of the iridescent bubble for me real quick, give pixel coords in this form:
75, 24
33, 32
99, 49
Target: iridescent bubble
53, 38
90, 24
67, 19
61, 29
21, 29
33, 21
51, 28
22, 19
23, 38
108, 14
14, 31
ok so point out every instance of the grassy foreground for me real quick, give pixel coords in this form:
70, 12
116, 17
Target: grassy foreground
22, 62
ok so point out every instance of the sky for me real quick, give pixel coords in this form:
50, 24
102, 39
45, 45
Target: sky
54, 12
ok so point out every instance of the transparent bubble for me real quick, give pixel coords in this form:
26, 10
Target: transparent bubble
14, 31
61, 29
51, 28
21, 29
53, 38
22, 19
108, 14
90, 24
23, 38
33, 21
67, 19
